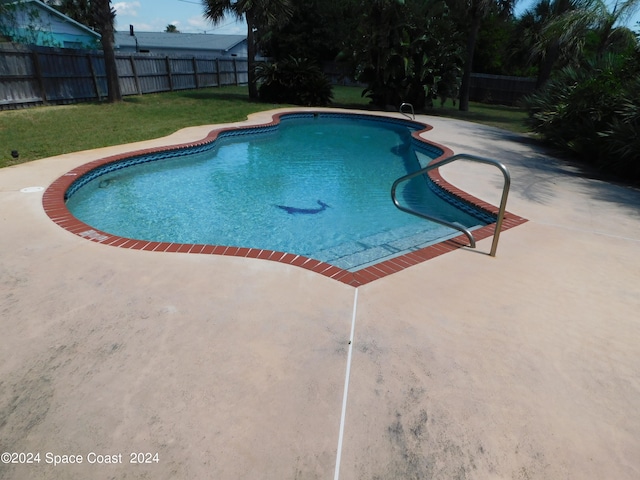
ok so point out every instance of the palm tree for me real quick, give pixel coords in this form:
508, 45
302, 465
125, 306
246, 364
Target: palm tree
260, 16
553, 33
563, 26
104, 16
609, 24
79, 10
171, 29
476, 11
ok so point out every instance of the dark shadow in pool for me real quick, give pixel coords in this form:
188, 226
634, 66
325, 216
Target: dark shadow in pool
304, 211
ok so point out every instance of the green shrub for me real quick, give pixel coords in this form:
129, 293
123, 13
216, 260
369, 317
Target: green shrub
293, 80
623, 136
593, 113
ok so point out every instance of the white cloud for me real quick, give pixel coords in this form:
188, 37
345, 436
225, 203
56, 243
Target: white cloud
145, 18
127, 8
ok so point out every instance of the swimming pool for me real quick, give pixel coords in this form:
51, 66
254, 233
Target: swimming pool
326, 208
315, 185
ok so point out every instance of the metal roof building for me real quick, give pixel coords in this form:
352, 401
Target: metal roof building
188, 44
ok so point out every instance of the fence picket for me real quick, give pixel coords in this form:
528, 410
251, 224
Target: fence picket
48, 75
39, 78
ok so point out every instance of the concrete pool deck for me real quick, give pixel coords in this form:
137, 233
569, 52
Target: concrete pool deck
522, 366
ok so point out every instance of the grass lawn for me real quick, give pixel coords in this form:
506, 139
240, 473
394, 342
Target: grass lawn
47, 131
508, 118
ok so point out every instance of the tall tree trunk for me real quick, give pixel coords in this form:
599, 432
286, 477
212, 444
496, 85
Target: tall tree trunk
104, 18
465, 86
551, 54
251, 57
553, 48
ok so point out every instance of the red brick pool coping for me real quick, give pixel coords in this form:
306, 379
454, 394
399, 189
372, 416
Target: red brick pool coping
54, 205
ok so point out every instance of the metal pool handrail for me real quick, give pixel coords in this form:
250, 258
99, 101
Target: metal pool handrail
413, 115
457, 226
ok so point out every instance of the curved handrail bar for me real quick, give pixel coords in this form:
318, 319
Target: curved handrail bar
413, 115
460, 156
460, 228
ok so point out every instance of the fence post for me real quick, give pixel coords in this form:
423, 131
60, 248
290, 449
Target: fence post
135, 74
169, 73
39, 77
235, 71
218, 70
195, 72
96, 86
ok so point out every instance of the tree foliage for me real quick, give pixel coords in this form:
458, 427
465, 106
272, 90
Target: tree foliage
403, 50
470, 16
21, 23
560, 33
79, 10
262, 16
406, 52
317, 30
293, 80
492, 54
593, 112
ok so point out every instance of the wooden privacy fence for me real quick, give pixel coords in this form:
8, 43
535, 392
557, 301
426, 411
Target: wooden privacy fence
500, 89
43, 75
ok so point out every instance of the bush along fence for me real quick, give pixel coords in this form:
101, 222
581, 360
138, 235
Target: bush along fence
41, 75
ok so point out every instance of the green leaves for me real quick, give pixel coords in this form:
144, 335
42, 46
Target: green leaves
593, 111
293, 80
407, 53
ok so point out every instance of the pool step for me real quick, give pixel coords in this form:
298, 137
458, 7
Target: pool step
354, 256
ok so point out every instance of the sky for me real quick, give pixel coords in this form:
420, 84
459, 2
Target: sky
155, 15
524, 5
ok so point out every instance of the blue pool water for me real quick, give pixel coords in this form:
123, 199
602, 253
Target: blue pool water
315, 185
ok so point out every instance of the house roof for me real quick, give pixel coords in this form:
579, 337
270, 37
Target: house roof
56, 13
190, 41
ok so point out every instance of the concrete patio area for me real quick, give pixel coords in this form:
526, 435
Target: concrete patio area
522, 366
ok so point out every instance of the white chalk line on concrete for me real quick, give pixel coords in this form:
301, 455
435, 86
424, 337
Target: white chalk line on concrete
336, 475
